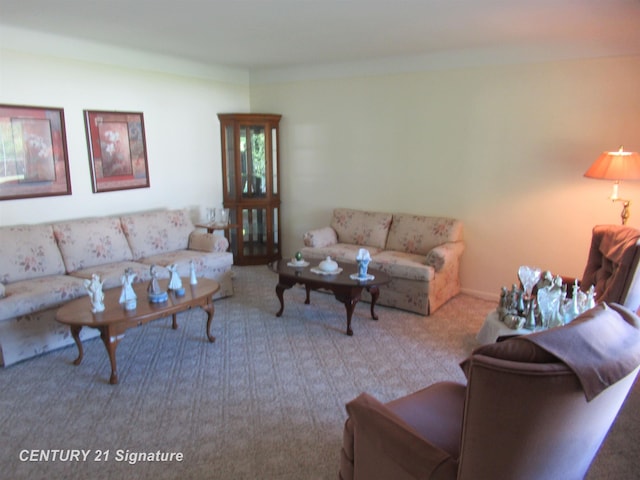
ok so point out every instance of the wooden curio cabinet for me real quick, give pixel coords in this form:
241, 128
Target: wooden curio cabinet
251, 190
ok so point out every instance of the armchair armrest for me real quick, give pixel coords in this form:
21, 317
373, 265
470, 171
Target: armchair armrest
444, 254
382, 445
320, 237
207, 242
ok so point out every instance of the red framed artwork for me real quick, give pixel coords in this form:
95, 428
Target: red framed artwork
117, 150
33, 152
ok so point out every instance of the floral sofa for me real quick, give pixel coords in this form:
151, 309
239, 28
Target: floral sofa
43, 266
420, 253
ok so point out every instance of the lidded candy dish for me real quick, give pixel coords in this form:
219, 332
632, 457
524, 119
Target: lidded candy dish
328, 265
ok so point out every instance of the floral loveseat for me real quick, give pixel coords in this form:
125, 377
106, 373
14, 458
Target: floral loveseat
43, 266
420, 253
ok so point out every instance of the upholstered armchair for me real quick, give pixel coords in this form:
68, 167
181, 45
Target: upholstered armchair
532, 408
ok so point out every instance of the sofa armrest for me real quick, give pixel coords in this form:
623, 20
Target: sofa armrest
207, 242
444, 254
382, 445
320, 237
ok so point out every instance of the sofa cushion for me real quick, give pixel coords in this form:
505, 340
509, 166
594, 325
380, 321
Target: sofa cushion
32, 295
28, 251
320, 237
419, 234
207, 242
360, 227
203, 261
111, 273
90, 242
151, 233
341, 252
403, 265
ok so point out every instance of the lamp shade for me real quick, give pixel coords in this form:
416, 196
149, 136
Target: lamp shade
618, 165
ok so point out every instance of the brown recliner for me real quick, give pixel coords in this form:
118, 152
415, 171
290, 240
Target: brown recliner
534, 407
612, 265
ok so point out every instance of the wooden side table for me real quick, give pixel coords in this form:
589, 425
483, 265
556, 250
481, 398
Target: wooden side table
211, 227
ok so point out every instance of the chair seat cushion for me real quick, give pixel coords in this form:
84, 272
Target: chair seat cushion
436, 413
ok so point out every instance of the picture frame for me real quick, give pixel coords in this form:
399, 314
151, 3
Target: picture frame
117, 150
34, 161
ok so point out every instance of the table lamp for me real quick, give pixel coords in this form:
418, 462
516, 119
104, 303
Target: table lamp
617, 166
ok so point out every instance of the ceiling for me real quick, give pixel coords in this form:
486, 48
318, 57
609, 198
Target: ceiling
271, 34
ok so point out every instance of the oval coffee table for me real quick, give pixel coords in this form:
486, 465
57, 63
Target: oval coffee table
345, 289
115, 320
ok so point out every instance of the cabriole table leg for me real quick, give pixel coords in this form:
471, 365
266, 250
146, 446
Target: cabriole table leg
75, 333
111, 341
209, 309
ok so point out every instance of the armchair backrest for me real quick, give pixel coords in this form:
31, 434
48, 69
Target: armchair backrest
529, 415
612, 265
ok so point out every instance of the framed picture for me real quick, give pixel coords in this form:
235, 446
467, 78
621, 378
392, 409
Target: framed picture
33, 152
117, 150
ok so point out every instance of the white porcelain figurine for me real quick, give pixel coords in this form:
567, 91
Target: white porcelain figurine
193, 280
94, 289
175, 282
128, 297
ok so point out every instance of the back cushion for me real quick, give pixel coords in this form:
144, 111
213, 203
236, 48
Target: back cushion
161, 231
361, 228
515, 349
90, 242
418, 234
610, 265
28, 251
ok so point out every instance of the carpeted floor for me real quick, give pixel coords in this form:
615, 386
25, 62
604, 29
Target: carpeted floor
266, 400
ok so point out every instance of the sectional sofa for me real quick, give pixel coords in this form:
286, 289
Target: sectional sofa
43, 266
421, 253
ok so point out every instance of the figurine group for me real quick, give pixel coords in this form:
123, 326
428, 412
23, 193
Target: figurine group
547, 308
128, 298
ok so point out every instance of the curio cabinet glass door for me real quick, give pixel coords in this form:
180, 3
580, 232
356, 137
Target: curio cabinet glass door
250, 172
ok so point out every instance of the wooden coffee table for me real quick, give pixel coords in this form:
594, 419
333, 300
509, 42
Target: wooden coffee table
345, 289
115, 320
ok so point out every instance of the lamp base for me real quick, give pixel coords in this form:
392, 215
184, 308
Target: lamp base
626, 210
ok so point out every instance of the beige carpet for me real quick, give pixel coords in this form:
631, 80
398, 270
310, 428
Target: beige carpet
266, 400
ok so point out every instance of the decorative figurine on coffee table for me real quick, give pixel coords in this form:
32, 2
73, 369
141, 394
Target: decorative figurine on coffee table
363, 258
156, 295
193, 279
128, 297
94, 289
175, 283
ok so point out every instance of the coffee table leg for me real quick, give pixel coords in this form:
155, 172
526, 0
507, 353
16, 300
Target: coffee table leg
111, 343
209, 309
75, 333
350, 305
350, 299
375, 293
174, 322
280, 288
307, 288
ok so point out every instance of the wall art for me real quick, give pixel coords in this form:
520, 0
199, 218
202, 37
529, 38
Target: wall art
33, 152
117, 150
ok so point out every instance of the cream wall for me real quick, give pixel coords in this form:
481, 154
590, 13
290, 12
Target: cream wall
502, 148
181, 124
